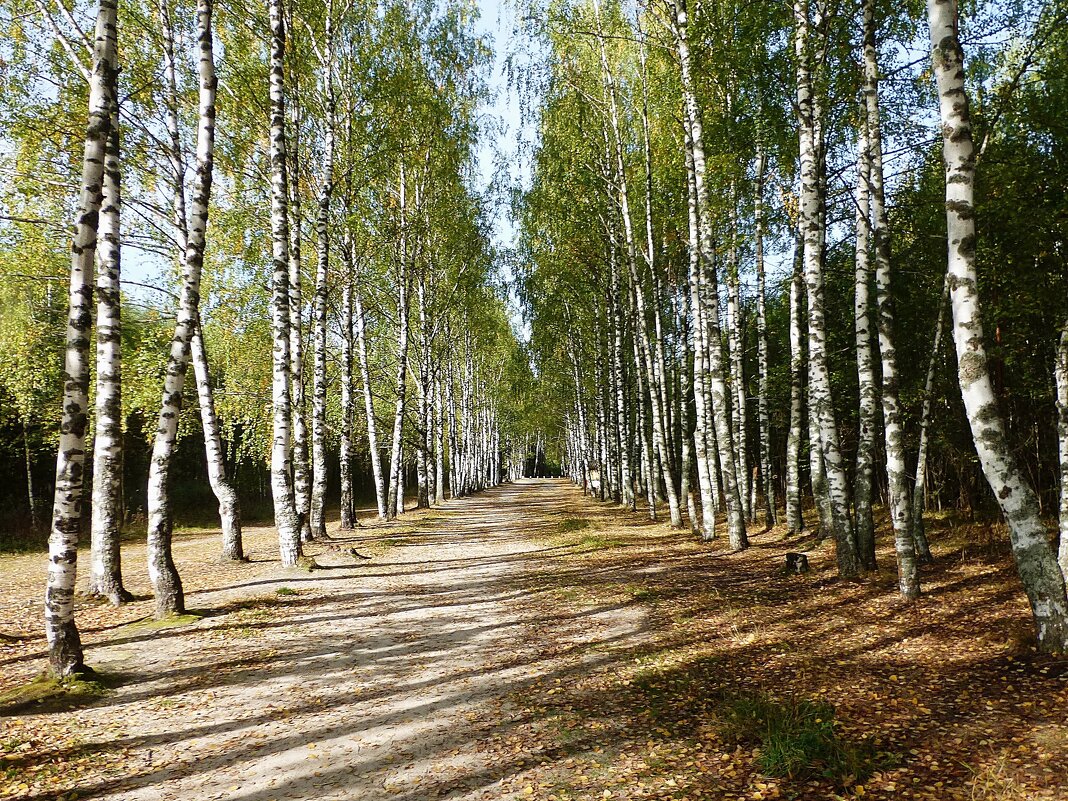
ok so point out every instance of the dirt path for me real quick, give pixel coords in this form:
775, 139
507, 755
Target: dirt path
376, 679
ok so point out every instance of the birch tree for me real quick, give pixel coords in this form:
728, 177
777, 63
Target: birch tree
105, 572
64, 643
166, 583
285, 512
809, 116
1035, 558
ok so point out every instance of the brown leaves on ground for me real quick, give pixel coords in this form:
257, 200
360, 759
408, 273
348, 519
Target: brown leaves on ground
943, 698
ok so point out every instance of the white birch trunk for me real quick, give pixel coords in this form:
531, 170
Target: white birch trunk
348, 506
763, 416
286, 518
368, 406
794, 519
439, 442
652, 352
706, 476
821, 404
1036, 559
105, 572
395, 499
162, 572
625, 463
225, 494
923, 547
64, 643
737, 370
867, 414
894, 436
322, 270
302, 479
1060, 374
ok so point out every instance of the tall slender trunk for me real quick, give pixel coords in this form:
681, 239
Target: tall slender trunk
35, 522
737, 368
422, 454
794, 519
302, 479
1036, 559
626, 477
454, 439
763, 416
736, 532
706, 476
923, 547
64, 643
286, 518
688, 437
645, 426
395, 500
439, 441
229, 503
1060, 374
348, 505
105, 572
897, 481
868, 410
809, 113
161, 569
322, 269
225, 494
368, 406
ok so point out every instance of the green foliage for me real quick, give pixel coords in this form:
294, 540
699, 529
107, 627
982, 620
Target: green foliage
797, 738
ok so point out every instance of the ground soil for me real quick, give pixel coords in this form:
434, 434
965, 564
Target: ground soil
529, 642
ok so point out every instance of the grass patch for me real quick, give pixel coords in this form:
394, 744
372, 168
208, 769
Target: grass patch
797, 738
51, 690
573, 524
286, 591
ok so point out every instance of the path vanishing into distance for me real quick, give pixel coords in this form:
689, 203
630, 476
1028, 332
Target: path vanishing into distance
376, 678
530, 643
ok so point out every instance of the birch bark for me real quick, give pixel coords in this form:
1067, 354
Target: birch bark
348, 506
706, 475
900, 500
652, 352
166, 583
395, 499
299, 429
64, 643
322, 270
1036, 559
809, 111
225, 494
286, 518
794, 519
867, 414
763, 416
923, 547
1061, 380
368, 406
105, 571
